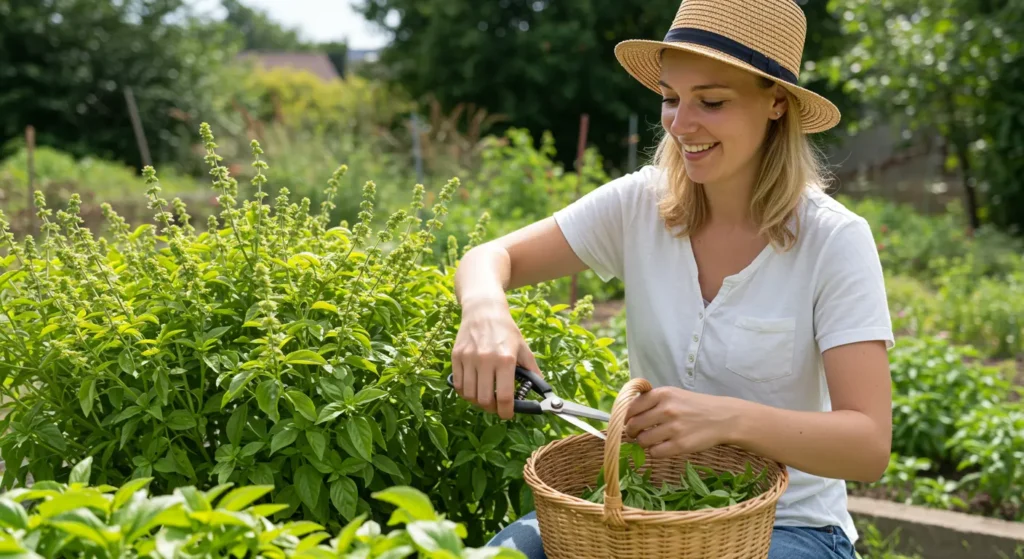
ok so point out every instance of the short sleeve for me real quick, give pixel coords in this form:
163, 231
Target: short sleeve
850, 299
595, 224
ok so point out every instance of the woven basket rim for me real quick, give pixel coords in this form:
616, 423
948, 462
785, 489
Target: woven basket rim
754, 505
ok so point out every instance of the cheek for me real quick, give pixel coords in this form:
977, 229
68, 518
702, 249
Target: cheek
667, 116
734, 130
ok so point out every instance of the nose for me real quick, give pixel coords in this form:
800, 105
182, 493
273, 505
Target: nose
683, 122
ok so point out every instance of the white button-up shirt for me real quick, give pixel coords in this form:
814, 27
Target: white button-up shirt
762, 336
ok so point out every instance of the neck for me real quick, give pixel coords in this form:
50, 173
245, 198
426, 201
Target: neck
729, 198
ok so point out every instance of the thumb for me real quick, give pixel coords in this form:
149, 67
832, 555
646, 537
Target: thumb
526, 359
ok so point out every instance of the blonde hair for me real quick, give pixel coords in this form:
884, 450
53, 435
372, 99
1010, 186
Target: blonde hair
789, 167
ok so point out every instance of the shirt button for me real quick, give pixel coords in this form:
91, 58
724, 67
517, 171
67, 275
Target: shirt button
691, 358
696, 337
700, 315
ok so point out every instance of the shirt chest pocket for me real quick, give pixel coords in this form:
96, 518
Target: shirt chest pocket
761, 349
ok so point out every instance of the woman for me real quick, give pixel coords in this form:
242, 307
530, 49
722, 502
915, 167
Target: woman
756, 304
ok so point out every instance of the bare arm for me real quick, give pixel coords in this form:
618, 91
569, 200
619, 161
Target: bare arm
534, 254
489, 344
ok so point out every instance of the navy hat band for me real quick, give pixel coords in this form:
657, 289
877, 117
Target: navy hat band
733, 48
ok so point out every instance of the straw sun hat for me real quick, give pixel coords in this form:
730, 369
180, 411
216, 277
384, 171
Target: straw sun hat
765, 37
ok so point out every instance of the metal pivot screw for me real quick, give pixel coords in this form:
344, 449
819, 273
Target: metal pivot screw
556, 403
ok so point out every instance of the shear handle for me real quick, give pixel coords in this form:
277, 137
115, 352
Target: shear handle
531, 381
536, 383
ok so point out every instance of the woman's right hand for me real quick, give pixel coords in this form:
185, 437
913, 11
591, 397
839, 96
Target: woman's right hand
487, 348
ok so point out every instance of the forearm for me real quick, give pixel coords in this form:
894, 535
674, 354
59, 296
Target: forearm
843, 444
483, 273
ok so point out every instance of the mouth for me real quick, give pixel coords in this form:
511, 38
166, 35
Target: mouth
698, 151
698, 148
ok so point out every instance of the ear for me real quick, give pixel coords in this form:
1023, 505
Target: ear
780, 102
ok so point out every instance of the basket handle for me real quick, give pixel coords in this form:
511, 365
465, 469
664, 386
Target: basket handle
612, 494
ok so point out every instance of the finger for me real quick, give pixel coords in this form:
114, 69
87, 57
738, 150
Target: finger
485, 386
506, 383
469, 375
526, 359
643, 402
656, 435
639, 423
665, 449
457, 373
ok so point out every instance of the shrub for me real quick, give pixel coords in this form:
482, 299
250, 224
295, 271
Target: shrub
519, 183
920, 245
59, 174
934, 384
989, 442
80, 520
270, 349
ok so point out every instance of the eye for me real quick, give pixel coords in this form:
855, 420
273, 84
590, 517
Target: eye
712, 104
669, 101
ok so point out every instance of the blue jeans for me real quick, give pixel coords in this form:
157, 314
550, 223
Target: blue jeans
788, 542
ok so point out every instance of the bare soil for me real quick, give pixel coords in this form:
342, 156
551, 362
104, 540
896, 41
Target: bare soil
604, 311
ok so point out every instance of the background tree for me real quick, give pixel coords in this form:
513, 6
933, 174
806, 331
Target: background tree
930, 66
65, 64
258, 30
541, 63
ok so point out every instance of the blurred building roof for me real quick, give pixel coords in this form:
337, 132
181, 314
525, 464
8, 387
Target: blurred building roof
363, 55
317, 63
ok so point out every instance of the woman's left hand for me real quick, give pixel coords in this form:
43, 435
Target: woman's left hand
670, 421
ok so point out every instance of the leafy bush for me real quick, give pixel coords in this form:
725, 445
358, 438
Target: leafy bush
59, 174
271, 349
985, 312
519, 183
919, 245
76, 519
989, 442
934, 384
305, 101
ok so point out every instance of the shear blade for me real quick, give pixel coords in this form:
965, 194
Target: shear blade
583, 425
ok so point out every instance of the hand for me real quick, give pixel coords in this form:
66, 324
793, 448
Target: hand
670, 421
487, 348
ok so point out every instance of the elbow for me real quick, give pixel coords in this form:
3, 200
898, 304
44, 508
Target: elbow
876, 463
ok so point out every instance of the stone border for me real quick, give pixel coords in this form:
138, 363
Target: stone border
941, 534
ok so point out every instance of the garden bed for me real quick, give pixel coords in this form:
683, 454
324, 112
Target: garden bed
938, 534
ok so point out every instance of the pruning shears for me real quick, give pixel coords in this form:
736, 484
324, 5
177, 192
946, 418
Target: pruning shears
550, 403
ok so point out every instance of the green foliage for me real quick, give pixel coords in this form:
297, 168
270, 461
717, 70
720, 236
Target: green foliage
956, 431
693, 492
304, 101
258, 31
59, 174
930, 66
989, 442
921, 246
934, 385
76, 519
1003, 135
65, 66
272, 349
941, 281
874, 545
563, 63
519, 183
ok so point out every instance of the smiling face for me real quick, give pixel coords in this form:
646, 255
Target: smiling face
718, 114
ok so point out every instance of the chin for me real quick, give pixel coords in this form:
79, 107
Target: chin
700, 173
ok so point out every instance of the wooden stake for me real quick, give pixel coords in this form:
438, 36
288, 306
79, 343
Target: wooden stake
140, 134
581, 148
30, 151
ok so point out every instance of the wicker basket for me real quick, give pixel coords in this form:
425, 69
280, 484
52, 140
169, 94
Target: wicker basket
572, 527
